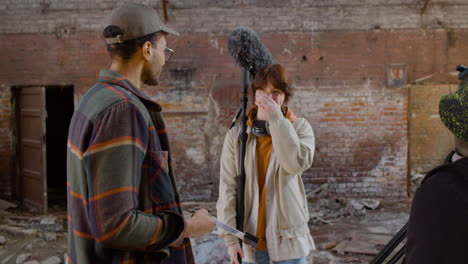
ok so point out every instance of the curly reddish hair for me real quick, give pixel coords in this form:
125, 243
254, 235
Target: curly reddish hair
276, 75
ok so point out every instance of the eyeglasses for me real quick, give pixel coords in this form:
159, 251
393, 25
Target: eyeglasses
167, 51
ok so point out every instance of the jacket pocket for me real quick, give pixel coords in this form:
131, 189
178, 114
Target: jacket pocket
160, 183
293, 205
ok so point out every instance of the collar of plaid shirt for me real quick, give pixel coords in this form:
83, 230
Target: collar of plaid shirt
112, 77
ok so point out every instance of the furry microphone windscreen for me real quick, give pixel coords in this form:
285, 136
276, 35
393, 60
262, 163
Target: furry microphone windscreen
248, 50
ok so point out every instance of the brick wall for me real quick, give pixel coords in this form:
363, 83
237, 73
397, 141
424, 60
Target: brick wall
336, 51
430, 140
204, 16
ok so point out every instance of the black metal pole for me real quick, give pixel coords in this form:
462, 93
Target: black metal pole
398, 255
391, 245
242, 146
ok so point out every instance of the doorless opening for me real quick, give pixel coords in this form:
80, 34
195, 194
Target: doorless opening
59, 107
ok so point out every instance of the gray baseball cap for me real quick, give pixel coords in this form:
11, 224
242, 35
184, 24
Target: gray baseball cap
136, 21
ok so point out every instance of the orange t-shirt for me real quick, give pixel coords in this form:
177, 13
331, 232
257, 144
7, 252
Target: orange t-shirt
264, 147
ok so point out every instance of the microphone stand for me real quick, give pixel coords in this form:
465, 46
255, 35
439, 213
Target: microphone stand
242, 146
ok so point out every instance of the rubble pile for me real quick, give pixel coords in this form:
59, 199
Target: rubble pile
344, 230
27, 238
325, 208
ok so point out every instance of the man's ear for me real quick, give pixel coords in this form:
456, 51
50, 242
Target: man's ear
146, 50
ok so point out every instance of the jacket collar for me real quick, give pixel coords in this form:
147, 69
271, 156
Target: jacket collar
115, 78
459, 167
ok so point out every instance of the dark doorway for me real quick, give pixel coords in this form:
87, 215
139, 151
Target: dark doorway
59, 107
42, 115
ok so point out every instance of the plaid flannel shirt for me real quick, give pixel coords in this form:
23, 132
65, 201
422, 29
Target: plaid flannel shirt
123, 204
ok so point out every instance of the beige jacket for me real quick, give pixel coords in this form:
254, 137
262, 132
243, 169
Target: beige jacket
293, 147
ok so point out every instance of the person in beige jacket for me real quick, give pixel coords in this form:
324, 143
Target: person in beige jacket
280, 147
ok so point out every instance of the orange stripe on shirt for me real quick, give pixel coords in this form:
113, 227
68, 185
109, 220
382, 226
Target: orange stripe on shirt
115, 90
102, 195
105, 236
74, 149
111, 233
119, 190
84, 235
120, 78
79, 196
156, 233
112, 141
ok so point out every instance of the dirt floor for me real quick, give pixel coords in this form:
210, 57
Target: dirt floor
32, 238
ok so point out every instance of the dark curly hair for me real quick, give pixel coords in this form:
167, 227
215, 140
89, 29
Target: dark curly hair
126, 49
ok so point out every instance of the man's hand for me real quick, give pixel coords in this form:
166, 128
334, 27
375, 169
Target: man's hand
233, 251
199, 224
266, 104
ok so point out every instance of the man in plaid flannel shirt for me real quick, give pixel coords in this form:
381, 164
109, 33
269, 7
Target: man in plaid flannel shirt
123, 203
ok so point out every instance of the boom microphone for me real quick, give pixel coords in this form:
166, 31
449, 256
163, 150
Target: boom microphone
248, 50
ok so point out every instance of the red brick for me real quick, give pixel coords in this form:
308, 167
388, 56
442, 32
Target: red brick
373, 116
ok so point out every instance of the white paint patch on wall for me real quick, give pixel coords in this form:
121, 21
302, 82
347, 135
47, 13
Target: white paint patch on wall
196, 155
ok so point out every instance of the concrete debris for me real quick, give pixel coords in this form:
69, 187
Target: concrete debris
11, 216
320, 192
210, 249
356, 205
324, 210
2, 240
351, 260
416, 179
315, 218
22, 258
328, 245
49, 236
51, 224
29, 247
52, 260
322, 255
18, 231
355, 208
48, 221
371, 204
32, 262
4, 205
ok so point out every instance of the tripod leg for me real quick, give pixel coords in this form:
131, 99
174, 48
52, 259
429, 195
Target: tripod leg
388, 249
235, 118
398, 255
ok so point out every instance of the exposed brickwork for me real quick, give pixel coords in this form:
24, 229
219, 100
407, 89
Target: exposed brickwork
430, 140
337, 53
361, 138
202, 16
